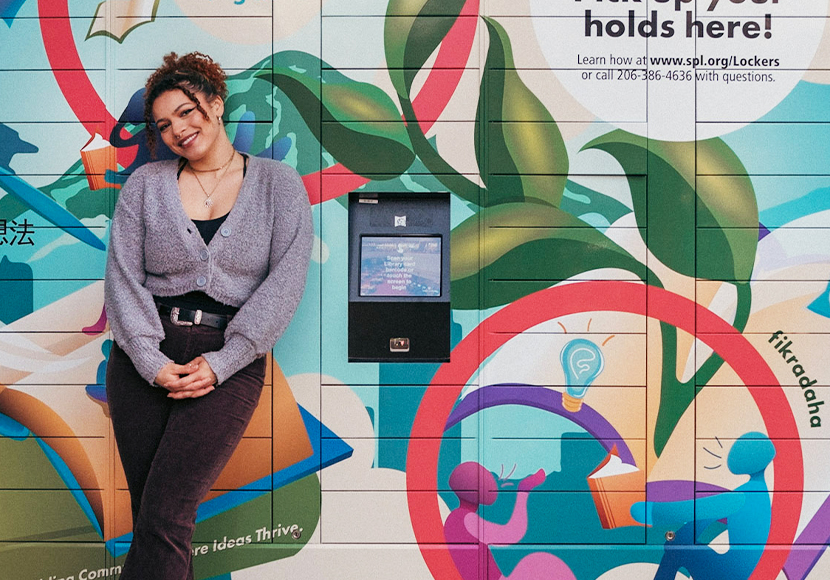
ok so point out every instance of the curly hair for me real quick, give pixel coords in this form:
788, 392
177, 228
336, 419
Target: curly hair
191, 73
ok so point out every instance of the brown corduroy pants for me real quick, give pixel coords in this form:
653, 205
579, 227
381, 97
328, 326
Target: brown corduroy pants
173, 451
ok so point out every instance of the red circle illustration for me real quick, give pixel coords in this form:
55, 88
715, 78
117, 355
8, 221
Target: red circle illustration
606, 296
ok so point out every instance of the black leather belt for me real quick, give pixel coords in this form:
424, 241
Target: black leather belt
186, 317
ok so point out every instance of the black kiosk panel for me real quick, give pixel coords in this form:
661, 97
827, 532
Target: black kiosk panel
399, 277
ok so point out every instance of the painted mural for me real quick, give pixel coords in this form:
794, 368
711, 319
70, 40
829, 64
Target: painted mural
640, 287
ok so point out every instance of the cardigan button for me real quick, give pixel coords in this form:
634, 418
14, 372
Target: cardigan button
201, 281
225, 231
203, 254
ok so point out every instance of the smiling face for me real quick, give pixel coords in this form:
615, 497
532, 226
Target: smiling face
184, 129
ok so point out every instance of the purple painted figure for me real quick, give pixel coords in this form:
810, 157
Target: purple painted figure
475, 485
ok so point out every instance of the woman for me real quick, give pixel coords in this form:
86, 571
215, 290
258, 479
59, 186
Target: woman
207, 263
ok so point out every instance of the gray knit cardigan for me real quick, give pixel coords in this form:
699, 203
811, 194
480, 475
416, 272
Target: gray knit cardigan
257, 261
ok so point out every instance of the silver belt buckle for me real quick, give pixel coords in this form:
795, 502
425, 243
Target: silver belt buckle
174, 317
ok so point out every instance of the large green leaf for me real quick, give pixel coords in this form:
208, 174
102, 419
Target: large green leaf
698, 214
697, 227
526, 258
583, 201
413, 29
249, 96
356, 122
521, 140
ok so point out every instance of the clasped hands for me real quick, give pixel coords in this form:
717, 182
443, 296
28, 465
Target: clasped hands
187, 381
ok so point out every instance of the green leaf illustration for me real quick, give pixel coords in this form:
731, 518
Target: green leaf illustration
702, 221
521, 141
526, 258
412, 31
356, 122
697, 227
583, 201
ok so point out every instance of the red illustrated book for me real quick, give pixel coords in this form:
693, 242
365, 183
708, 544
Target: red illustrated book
615, 487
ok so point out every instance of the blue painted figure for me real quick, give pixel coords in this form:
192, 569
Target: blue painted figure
747, 511
98, 392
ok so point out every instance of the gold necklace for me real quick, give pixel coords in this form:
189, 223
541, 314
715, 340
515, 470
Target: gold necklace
208, 201
233, 151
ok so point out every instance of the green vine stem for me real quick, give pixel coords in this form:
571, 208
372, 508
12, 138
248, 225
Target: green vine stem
459, 184
676, 396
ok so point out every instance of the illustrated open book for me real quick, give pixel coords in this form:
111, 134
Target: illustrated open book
615, 487
98, 155
117, 18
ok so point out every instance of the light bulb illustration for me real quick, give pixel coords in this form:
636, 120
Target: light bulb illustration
582, 362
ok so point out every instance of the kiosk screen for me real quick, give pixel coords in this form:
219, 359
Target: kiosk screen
400, 266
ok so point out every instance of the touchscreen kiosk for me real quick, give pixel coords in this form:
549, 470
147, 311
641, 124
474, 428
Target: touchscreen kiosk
399, 285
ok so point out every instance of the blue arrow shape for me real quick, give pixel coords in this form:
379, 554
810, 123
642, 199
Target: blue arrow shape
48, 208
